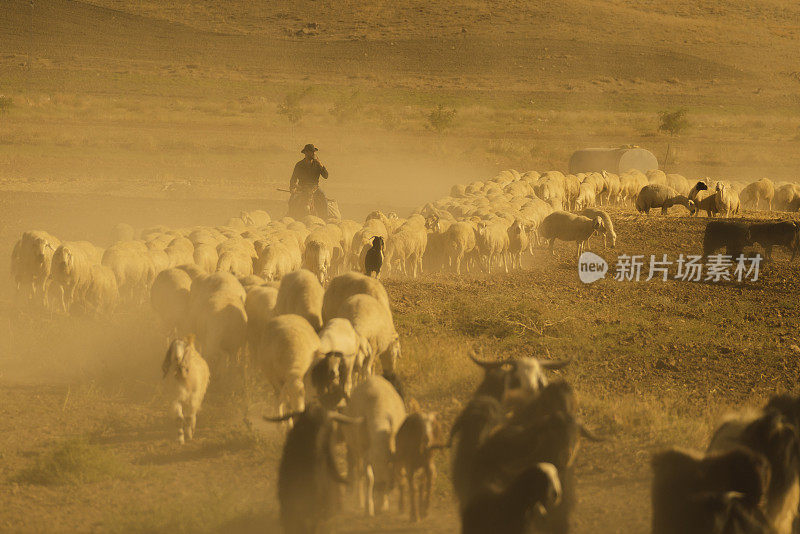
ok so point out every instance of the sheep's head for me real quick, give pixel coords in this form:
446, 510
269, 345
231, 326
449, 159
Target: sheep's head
326, 376
597, 224
391, 355
377, 242
522, 378
176, 354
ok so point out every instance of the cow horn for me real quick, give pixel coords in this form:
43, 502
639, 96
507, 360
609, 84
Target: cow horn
282, 418
341, 418
555, 364
488, 365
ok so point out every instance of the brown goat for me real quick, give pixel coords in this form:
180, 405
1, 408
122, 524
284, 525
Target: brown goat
414, 452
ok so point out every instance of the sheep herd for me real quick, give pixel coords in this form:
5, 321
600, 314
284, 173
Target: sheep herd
290, 298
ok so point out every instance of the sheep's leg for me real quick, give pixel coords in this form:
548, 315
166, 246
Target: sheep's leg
552, 244
189, 421
430, 478
403, 488
369, 502
177, 412
414, 512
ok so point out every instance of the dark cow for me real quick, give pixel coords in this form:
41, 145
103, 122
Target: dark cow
734, 236
769, 433
470, 429
524, 504
545, 429
782, 233
719, 493
309, 483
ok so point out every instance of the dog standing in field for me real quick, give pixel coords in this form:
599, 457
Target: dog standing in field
374, 258
186, 375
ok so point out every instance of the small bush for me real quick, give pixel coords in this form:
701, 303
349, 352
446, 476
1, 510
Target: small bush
441, 118
673, 123
6, 103
73, 462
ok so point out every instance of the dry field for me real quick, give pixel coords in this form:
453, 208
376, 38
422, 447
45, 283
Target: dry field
167, 113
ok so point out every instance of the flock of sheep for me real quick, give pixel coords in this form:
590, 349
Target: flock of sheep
289, 296
476, 228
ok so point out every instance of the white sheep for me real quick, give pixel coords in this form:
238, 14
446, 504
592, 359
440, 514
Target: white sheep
492, 242
101, 292
569, 227
460, 243
339, 337
70, 272
206, 257
608, 226
133, 268
371, 444
407, 245
346, 285
186, 376
300, 293
373, 321
727, 200
260, 308
216, 312
179, 251
518, 242
255, 217
238, 262
31, 261
752, 195
169, 297
285, 351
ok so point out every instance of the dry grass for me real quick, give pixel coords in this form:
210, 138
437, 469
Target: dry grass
74, 462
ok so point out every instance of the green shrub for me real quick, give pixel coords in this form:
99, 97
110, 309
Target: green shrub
674, 122
74, 461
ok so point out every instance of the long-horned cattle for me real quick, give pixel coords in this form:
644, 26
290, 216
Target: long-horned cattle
309, 482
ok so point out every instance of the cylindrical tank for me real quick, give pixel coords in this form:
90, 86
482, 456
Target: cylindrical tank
616, 160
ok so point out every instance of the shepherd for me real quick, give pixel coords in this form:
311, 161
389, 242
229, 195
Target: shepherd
306, 195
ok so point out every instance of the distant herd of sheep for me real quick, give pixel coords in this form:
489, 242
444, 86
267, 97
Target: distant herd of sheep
478, 227
296, 298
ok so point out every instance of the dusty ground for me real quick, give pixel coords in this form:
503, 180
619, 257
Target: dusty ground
155, 112
97, 380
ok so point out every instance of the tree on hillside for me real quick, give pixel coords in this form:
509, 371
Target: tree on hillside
673, 122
